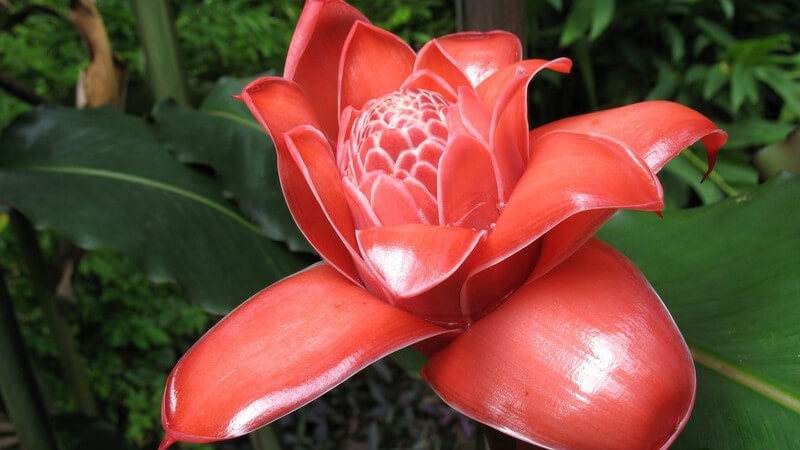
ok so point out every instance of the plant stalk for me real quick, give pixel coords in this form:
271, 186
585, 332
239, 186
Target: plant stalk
17, 383
485, 15
44, 287
157, 34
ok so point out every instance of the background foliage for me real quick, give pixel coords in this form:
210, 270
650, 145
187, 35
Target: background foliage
736, 61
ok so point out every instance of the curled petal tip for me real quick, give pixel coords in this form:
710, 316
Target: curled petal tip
166, 442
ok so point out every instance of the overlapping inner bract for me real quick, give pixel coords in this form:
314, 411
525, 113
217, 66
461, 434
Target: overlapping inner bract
393, 153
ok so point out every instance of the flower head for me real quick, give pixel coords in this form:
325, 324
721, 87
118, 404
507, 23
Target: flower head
443, 222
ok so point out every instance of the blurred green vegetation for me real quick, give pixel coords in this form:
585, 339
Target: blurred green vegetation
736, 61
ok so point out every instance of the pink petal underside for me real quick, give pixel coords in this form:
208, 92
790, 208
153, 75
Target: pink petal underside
349, 115
466, 185
374, 62
284, 347
479, 55
313, 156
568, 173
433, 57
429, 81
657, 131
280, 105
506, 94
425, 202
392, 203
313, 58
412, 259
585, 357
363, 216
474, 115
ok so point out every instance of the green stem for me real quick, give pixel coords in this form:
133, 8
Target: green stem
45, 289
265, 438
18, 384
161, 50
716, 178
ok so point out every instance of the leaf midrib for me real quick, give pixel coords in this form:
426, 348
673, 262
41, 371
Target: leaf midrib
741, 376
233, 117
135, 179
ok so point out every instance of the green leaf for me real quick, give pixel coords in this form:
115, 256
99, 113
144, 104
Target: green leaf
788, 89
727, 8
666, 84
578, 20
754, 132
556, 4
675, 40
602, 13
680, 167
715, 32
743, 86
103, 179
730, 275
715, 80
225, 137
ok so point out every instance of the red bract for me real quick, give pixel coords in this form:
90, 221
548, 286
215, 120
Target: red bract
444, 223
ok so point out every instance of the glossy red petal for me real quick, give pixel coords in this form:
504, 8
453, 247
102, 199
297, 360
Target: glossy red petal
428, 80
314, 54
392, 203
585, 357
280, 105
474, 115
657, 131
434, 58
284, 347
479, 55
506, 93
412, 259
374, 62
466, 185
568, 173
314, 158
363, 216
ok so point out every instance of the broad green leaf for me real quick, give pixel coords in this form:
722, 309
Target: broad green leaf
224, 136
602, 13
578, 20
242, 156
103, 179
730, 275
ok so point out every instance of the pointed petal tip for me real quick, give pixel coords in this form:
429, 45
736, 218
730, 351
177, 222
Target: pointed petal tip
166, 442
237, 97
713, 142
659, 214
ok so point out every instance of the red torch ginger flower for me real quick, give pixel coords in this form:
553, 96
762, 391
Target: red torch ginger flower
443, 223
